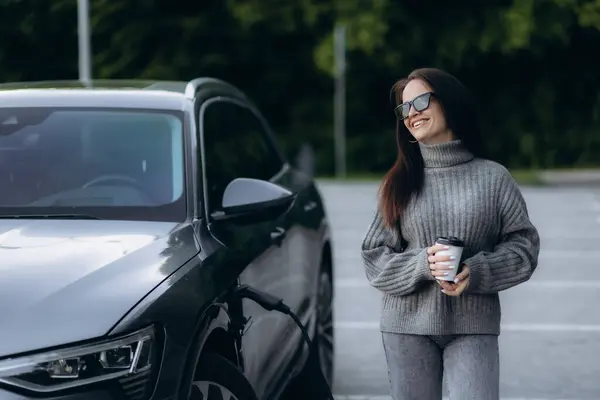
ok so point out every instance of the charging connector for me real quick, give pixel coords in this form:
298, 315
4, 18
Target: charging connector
272, 303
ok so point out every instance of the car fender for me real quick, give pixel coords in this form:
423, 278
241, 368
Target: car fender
215, 317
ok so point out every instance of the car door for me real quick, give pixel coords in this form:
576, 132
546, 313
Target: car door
304, 243
300, 246
302, 251
234, 146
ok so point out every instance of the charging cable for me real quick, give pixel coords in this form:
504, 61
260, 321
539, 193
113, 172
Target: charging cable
272, 303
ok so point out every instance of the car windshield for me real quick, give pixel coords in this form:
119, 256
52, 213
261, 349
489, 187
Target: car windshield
94, 163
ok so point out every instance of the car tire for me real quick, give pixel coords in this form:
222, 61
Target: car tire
216, 378
322, 352
323, 344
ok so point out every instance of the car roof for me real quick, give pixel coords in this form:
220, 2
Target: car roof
119, 93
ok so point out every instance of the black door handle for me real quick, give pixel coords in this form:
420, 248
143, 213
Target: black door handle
311, 205
277, 236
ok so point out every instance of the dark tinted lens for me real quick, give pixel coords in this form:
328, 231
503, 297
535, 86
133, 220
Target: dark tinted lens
401, 111
405, 110
398, 111
422, 102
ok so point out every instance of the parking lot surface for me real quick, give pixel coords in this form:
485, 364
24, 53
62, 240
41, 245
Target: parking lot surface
550, 341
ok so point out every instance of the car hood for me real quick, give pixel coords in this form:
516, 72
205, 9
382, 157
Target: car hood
71, 280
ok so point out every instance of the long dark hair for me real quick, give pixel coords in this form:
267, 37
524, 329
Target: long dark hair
405, 179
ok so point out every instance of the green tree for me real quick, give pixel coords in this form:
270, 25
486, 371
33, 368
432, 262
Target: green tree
530, 63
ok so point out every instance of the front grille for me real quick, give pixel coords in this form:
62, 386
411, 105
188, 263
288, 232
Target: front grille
138, 386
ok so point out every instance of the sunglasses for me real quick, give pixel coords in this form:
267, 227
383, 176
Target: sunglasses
420, 103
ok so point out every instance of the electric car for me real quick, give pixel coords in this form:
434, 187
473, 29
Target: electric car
132, 213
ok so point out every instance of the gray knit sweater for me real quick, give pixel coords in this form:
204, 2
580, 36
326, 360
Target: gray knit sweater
476, 200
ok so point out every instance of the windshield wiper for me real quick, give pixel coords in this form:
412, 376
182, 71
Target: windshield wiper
48, 216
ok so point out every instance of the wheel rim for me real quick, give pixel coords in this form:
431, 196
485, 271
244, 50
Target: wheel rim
206, 390
325, 326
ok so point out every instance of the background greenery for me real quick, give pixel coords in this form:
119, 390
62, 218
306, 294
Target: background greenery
531, 63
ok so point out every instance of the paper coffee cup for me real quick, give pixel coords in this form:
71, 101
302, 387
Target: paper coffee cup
455, 249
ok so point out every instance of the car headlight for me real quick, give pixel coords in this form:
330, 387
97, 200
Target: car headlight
81, 365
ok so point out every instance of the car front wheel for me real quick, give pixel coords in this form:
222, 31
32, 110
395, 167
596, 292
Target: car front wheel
216, 378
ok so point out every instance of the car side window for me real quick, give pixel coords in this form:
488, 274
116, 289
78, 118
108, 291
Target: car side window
235, 146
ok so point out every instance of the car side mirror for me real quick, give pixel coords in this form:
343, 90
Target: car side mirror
253, 198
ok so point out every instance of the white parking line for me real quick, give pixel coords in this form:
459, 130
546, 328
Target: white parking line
362, 283
372, 325
343, 257
383, 397
596, 208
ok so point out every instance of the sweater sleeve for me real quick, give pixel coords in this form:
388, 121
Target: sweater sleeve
515, 257
387, 268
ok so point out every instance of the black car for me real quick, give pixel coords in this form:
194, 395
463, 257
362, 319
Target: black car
137, 219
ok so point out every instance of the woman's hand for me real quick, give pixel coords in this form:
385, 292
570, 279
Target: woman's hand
458, 286
438, 269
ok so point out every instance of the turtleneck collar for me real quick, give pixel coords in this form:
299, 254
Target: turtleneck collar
445, 154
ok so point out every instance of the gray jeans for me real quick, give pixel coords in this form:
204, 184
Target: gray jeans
416, 365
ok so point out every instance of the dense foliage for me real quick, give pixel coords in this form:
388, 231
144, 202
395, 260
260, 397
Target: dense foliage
530, 63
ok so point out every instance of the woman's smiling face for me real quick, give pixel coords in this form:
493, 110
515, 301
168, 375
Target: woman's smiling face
428, 126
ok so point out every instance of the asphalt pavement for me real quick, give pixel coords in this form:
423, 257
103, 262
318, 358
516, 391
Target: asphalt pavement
550, 340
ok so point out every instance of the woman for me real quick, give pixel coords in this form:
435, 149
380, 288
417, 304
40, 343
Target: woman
441, 186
